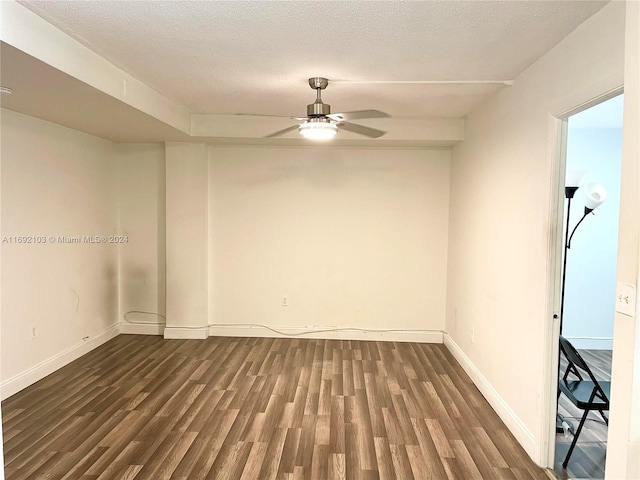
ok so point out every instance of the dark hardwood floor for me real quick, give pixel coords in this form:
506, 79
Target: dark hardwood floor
141, 407
588, 458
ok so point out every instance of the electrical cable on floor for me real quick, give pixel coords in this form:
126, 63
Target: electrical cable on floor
275, 330
324, 330
145, 313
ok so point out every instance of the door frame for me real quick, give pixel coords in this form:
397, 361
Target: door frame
557, 152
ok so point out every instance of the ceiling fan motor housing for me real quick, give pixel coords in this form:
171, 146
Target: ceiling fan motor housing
318, 109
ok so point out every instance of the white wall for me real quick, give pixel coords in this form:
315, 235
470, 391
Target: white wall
623, 452
187, 240
141, 220
591, 262
56, 182
1, 434
498, 313
60, 182
352, 237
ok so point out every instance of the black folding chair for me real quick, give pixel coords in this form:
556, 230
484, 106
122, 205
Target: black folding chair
585, 393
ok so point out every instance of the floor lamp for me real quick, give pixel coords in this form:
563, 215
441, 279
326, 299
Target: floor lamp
596, 194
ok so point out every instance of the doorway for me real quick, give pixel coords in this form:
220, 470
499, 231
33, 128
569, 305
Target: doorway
593, 159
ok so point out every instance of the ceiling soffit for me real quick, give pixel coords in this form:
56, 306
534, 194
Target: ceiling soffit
194, 65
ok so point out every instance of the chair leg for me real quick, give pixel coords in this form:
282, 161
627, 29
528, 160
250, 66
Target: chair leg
606, 420
575, 439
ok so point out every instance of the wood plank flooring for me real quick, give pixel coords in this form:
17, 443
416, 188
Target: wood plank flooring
589, 456
141, 407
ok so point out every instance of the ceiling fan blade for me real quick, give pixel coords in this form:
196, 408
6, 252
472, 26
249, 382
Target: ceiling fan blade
267, 115
357, 115
281, 132
259, 115
361, 129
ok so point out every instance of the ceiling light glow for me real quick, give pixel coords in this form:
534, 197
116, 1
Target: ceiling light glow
318, 129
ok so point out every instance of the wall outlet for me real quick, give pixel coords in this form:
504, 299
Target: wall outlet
284, 302
626, 299
34, 333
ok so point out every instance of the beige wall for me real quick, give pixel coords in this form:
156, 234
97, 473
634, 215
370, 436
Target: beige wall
352, 237
1, 422
498, 314
187, 236
58, 182
623, 452
141, 219
55, 182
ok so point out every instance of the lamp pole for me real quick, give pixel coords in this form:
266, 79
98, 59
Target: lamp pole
569, 192
592, 203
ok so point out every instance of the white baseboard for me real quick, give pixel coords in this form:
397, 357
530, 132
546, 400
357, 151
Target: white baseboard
142, 328
420, 336
591, 343
188, 333
21, 381
506, 414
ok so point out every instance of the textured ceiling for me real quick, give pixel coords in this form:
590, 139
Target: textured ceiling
227, 57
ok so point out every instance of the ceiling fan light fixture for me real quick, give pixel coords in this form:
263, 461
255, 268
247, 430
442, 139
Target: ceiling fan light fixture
320, 124
318, 129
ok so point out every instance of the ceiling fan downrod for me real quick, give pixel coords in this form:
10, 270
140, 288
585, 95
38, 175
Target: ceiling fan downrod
318, 108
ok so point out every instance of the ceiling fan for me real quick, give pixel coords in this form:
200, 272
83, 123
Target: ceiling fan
321, 124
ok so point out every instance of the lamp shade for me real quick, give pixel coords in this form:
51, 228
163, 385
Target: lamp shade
596, 194
318, 129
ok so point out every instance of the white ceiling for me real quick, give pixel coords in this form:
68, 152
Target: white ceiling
254, 57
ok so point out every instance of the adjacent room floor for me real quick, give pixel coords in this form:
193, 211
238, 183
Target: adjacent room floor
588, 458
257, 408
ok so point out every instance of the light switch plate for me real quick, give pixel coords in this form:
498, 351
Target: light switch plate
626, 299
